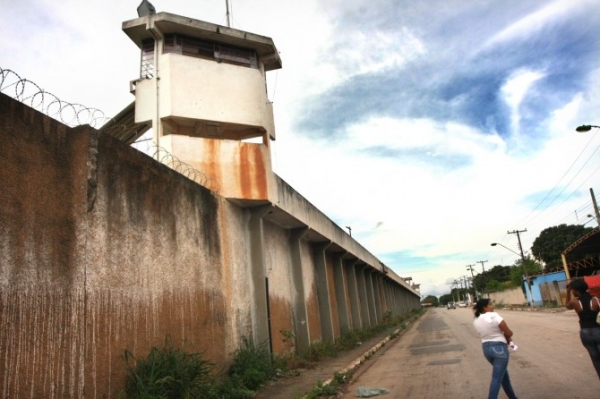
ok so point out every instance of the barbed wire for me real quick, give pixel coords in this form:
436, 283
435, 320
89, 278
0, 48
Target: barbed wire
73, 114
30, 94
165, 157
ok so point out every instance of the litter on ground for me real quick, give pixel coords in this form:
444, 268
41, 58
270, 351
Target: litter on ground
367, 392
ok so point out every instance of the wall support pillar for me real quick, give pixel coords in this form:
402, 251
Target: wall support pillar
353, 293
301, 326
258, 276
339, 279
393, 302
385, 287
327, 333
371, 296
363, 295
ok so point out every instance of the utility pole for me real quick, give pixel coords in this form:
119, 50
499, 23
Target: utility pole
523, 263
470, 267
454, 284
595, 207
482, 262
227, 14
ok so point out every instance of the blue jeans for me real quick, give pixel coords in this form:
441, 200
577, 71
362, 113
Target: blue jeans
590, 338
497, 354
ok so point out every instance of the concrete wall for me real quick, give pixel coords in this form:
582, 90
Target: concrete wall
514, 296
103, 249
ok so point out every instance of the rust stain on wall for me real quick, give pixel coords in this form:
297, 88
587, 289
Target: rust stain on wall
253, 183
41, 342
125, 321
211, 164
280, 321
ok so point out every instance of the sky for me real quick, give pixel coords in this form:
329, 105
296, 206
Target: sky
432, 128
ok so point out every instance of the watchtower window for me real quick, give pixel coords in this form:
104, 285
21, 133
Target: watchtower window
147, 64
189, 46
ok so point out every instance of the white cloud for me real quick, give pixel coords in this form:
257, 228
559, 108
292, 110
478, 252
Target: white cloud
539, 20
366, 51
515, 89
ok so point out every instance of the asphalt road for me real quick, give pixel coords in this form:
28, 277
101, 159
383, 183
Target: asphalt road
440, 357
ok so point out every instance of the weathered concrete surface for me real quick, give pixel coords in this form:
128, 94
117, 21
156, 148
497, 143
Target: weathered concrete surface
440, 357
514, 296
103, 249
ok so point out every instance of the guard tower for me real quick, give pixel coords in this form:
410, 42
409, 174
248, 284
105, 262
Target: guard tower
202, 87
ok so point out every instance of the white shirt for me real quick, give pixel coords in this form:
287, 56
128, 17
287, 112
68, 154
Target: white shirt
487, 327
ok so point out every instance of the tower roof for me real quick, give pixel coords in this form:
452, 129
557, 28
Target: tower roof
156, 25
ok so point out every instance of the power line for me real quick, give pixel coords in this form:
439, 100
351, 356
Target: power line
566, 186
562, 177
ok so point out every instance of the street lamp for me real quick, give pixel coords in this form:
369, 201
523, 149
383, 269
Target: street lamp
497, 243
591, 217
585, 128
522, 264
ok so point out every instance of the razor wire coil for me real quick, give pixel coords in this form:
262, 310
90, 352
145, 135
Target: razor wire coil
32, 95
74, 114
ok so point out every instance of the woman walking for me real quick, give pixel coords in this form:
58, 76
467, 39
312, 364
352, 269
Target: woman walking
495, 336
587, 308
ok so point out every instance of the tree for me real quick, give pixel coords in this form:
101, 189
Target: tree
498, 273
493, 285
553, 240
516, 273
433, 300
444, 299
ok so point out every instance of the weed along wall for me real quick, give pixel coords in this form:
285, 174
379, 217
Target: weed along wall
103, 250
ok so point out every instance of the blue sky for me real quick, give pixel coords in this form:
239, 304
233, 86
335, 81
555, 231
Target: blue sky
432, 128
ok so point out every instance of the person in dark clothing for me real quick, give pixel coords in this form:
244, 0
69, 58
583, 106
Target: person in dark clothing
587, 308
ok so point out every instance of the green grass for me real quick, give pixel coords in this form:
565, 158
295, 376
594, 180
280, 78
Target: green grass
168, 372
171, 372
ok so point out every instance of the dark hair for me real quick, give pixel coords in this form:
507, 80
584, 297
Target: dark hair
581, 287
482, 303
